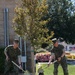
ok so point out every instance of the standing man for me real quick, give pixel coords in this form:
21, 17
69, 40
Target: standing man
12, 53
58, 53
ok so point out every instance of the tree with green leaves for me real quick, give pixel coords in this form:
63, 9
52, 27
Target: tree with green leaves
28, 21
62, 17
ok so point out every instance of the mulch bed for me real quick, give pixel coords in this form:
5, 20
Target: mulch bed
12, 74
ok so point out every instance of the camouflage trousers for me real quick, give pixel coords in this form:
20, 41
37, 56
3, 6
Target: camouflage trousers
64, 65
10, 67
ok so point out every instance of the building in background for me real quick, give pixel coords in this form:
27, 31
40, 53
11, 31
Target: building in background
7, 34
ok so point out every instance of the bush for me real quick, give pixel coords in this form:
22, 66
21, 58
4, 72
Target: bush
2, 59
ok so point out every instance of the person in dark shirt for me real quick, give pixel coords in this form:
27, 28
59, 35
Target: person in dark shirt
58, 53
12, 53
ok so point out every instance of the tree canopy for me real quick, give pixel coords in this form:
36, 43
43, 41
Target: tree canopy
28, 21
62, 14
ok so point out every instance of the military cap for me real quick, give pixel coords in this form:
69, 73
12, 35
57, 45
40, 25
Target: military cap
54, 40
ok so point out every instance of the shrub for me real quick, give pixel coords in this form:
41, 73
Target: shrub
2, 59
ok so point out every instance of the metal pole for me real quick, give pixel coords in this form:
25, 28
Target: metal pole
25, 51
7, 11
6, 31
20, 42
5, 27
21, 47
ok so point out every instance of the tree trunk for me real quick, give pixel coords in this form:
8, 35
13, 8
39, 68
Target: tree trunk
30, 59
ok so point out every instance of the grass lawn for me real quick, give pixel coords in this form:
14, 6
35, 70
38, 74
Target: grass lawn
49, 70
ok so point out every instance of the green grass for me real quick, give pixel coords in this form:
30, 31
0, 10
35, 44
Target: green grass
49, 70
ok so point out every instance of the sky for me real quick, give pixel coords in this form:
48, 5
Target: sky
73, 1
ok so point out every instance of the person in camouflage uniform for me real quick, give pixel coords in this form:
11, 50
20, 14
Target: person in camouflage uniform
58, 53
12, 53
